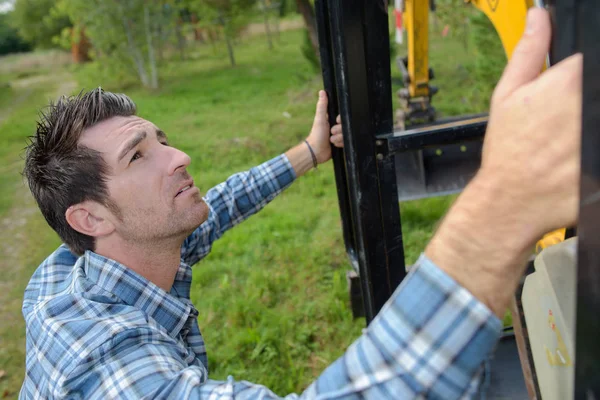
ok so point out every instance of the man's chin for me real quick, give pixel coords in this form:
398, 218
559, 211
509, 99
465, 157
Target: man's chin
198, 215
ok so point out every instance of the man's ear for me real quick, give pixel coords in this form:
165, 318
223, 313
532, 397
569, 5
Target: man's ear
89, 218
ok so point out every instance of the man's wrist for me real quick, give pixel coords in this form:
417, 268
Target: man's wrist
321, 154
484, 242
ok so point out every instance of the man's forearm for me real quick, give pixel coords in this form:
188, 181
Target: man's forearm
484, 242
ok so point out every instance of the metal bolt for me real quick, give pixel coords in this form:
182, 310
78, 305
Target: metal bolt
379, 142
380, 156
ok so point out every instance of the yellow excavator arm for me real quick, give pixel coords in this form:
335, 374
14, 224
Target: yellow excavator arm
508, 18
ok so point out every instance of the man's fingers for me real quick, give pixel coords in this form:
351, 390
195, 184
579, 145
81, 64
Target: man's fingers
336, 130
566, 75
529, 56
338, 119
321, 113
337, 140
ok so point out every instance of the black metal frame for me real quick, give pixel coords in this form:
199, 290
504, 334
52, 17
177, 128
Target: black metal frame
577, 24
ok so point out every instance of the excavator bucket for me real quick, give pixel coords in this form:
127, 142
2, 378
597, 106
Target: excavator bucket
437, 159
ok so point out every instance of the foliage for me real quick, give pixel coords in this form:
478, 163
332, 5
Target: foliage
126, 35
309, 53
489, 54
38, 22
231, 15
10, 40
455, 14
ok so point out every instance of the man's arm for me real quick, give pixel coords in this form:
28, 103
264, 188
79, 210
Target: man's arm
413, 348
245, 193
528, 183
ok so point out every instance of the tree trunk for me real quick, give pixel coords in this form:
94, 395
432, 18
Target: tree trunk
80, 46
228, 39
150, 44
311, 24
198, 36
136, 54
230, 49
277, 27
267, 29
180, 39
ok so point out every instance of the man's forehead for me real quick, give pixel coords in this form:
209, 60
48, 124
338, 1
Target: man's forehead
111, 132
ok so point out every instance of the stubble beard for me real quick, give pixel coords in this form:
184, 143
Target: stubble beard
141, 226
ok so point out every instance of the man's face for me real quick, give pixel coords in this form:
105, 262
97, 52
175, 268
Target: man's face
147, 180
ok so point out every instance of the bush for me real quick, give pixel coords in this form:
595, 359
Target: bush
10, 41
309, 53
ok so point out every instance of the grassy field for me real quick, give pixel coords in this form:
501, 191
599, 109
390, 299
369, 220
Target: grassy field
272, 294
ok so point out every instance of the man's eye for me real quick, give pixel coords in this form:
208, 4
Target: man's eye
164, 143
136, 156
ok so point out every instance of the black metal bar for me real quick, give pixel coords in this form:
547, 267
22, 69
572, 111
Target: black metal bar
377, 50
576, 26
337, 155
353, 83
587, 348
439, 134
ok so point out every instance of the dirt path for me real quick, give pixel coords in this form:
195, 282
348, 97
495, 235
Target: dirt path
285, 25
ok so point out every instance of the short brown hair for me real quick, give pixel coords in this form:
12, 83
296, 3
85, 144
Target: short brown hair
60, 171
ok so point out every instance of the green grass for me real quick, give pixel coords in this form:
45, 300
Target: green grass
272, 294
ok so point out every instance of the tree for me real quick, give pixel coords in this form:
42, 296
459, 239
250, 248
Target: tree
126, 34
38, 22
10, 41
231, 15
265, 11
308, 14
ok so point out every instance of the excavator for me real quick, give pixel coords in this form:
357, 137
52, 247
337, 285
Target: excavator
552, 350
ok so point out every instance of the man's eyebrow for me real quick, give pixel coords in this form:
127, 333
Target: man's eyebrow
131, 144
160, 134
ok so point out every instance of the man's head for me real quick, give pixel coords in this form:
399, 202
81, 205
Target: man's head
99, 172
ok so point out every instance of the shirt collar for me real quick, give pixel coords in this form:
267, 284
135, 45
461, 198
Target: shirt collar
170, 310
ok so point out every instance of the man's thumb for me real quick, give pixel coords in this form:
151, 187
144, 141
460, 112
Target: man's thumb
321, 113
529, 55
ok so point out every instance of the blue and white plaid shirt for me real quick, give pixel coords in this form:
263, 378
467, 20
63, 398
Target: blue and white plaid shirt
98, 330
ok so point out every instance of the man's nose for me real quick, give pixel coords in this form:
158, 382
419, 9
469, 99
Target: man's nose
179, 160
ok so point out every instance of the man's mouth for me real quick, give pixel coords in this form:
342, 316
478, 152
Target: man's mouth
185, 188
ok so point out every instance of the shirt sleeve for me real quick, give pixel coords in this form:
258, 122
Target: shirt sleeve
429, 341
234, 200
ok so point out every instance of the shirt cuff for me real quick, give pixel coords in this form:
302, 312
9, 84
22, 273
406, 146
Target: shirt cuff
283, 159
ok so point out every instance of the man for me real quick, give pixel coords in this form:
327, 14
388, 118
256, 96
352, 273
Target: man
112, 317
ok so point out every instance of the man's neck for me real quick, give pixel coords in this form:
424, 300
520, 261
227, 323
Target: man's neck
157, 262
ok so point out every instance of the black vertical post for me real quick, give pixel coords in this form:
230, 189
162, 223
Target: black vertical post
576, 28
377, 49
587, 348
337, 155
364, 97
